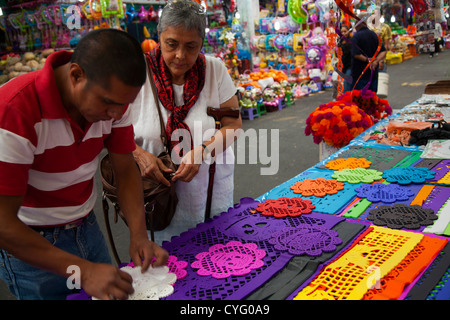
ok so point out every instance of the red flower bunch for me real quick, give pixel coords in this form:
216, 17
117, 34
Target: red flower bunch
369, 102
337, 123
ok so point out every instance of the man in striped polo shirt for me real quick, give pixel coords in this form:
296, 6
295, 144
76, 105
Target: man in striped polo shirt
53, 125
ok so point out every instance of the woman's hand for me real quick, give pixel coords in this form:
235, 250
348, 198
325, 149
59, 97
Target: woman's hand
151, 166
374, 64
144, 253
190, 165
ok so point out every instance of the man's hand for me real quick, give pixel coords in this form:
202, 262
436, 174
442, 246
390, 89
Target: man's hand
106, 282
143, 252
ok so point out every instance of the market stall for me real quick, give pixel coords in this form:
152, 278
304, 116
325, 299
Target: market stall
294, 38
370, 222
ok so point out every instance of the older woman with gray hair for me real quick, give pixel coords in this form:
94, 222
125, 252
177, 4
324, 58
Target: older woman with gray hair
187, 82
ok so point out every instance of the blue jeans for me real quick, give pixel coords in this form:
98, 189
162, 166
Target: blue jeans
29, 283
347, 85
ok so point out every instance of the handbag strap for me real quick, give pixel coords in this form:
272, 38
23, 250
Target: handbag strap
163, 135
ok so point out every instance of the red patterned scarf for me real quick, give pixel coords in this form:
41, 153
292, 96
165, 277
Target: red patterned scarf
195, 80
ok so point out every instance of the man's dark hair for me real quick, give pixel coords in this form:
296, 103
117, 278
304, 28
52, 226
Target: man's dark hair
104, 53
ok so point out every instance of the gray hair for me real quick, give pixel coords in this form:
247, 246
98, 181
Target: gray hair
183, 13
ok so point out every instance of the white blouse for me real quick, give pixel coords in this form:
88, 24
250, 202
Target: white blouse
192, 195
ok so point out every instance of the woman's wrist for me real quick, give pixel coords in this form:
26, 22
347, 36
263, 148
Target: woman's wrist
205, 148
137, 152
206, 152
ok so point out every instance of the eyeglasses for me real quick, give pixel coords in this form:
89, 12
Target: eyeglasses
193, 6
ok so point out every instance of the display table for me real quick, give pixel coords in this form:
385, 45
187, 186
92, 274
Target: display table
370, 222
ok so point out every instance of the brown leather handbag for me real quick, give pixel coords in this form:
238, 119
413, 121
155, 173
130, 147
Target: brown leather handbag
160, 201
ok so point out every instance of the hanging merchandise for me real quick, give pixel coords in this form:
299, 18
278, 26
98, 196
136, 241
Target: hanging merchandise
92, 9
326, 9
143, 14
131, 14
292, 25
212, 42
269, 42
112, 8
264, 25
315, 55
236, 28
35, 30
419, 6
228, 53
229, 6
148, 43
331, 36
288, 43
296, 11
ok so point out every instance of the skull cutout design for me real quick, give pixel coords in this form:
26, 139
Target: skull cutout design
253, 228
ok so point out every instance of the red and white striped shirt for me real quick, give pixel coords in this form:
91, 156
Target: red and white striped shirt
44, 154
